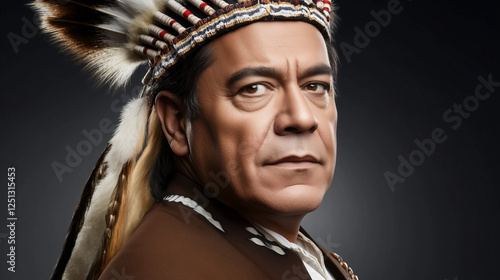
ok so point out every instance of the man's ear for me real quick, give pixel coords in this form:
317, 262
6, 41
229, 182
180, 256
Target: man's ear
170, 110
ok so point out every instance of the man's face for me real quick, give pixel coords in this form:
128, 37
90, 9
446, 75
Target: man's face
267, 122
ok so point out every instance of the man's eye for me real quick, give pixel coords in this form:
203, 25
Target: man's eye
253, 89
316, 87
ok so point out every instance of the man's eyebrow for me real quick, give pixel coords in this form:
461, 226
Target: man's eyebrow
263, 71
253, 71
322, 69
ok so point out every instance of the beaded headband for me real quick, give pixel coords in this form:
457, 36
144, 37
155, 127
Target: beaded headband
113, 37
228, 18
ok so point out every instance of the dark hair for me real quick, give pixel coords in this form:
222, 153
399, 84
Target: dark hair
183, 82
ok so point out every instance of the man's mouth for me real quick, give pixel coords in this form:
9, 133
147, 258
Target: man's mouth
294, 161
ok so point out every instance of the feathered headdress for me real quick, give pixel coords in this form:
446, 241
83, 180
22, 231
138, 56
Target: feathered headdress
112, 38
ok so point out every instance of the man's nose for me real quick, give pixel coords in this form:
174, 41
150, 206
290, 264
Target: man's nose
294, 113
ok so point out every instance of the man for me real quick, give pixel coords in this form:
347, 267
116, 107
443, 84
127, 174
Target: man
241, 146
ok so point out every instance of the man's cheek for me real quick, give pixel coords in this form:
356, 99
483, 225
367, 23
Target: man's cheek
245, 147
233, 167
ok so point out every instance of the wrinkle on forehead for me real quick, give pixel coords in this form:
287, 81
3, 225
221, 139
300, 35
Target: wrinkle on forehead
276, 36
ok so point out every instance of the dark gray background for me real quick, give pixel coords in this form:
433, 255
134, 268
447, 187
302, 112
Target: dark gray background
440, 223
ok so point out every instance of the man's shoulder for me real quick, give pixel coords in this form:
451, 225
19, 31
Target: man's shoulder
166, 231
172, 242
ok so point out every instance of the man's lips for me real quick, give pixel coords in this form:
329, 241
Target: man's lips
294, 161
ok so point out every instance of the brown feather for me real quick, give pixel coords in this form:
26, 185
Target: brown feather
78, 217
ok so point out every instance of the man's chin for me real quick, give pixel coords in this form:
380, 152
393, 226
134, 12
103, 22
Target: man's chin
305, 174
296, 199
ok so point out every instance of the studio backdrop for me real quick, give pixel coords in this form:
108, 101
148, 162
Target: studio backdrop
416, 188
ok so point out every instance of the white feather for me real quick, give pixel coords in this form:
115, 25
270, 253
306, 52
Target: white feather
124, 145
113, 66
125, 139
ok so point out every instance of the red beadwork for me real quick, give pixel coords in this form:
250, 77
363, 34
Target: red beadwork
186, 14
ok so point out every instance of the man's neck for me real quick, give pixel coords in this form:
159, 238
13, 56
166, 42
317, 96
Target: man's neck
286, 225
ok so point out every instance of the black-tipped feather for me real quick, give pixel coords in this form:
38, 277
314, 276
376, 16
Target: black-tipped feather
101, 34
78, 217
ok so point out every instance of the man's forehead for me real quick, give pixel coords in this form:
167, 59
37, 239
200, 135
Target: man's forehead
271, 44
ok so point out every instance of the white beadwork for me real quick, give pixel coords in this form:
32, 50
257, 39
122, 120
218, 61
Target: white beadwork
220, 3
160, 33
168, 21
143, 50
152, 41
188, 202
206, 8
258, 241
180, 10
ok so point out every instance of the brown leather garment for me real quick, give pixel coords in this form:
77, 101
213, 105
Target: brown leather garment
174, 241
